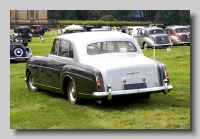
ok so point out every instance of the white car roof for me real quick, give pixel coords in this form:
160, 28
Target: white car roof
81, 40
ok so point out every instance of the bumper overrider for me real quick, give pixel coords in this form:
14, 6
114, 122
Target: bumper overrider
109, 93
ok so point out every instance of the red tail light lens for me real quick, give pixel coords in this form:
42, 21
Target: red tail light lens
167, 77
98, 82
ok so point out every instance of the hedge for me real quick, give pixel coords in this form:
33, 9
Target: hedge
98, 23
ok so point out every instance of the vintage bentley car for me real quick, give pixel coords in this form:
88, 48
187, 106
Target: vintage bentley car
178, 34
96, 65
152, 37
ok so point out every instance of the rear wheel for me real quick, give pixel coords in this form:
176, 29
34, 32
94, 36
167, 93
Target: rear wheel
145, 45
30, 82
72, 93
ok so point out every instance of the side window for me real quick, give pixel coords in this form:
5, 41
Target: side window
126, 47
143, 32
65, 49
55, 45
107, 45
71, 52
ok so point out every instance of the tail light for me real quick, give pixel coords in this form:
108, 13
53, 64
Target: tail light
167, 77
98, 82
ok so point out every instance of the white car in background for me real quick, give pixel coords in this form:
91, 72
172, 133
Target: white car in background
106, 27
99, 29
134, 29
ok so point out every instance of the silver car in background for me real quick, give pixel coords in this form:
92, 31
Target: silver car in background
152, 37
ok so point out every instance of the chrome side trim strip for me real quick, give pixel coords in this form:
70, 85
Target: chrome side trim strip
80, 76
48, 86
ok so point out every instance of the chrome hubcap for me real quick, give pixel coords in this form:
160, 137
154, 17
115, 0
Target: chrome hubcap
72, 92
145, 46
31, 82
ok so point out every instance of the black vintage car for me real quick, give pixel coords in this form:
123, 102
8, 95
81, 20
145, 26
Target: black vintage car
18, 50
23, 32
46, 29
35, 29
87, 28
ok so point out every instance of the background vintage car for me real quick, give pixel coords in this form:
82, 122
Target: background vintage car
134, 29
35, 29
73, 29
19, 51
152, 37
178, 34
23, 32
96, 65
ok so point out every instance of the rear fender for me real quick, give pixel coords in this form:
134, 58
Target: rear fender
149, 41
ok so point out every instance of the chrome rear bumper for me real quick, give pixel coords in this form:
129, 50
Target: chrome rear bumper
165, 89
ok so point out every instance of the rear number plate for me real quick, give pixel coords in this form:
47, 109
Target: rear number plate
137, 82
135, 86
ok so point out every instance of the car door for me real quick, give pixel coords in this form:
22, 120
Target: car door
63, 57
47, 66
141, 35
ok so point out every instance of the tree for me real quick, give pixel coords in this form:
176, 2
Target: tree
54, 14
68, 14
168, 17
107, 18
151, 14
185, 16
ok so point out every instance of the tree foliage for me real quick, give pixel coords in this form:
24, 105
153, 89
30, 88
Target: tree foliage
173, 17
168, 17
107, 18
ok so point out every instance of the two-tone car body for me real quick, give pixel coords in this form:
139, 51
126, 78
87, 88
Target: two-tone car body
96, 65
152, 37
178, 34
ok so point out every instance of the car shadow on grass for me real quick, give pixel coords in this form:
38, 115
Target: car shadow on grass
156, 101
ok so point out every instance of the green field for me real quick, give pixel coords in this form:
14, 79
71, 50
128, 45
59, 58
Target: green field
45, 110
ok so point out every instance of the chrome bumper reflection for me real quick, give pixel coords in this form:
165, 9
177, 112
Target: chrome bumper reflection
165, 89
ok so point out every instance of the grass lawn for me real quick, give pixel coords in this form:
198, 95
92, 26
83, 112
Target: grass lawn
45, 110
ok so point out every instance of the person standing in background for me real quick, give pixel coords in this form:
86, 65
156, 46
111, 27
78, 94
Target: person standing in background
41, 34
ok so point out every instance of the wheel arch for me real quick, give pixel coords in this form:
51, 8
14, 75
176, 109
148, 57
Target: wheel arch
28, 70
66, 79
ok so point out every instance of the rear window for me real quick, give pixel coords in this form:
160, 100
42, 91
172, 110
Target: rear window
111, 47
182, 30
157, 31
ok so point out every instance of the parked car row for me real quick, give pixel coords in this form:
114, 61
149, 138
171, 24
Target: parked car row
19, 41
26, 32
154, 35
160, 35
